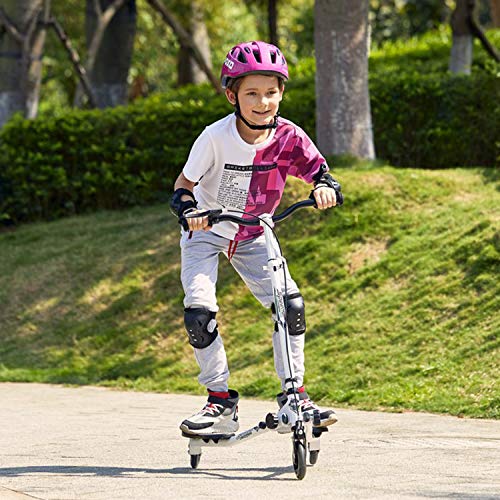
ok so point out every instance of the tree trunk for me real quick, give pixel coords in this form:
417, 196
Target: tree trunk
186, 40
188, 70
495, 13
34, 73
18, 19
111, 64
272, 19
343, 124
461, 49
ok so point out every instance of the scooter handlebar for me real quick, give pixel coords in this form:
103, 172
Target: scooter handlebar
218, 215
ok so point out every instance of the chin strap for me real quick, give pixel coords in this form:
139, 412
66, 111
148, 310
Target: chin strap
274, 123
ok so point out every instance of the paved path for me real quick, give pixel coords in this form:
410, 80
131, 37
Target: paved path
99, 444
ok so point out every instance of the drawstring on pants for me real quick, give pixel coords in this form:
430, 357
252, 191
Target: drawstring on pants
231, 249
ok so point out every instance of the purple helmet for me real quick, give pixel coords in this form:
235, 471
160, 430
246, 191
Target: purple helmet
253, 57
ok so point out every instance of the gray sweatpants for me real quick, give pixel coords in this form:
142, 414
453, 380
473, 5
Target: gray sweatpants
200, 259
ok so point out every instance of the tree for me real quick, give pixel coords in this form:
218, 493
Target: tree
465, 26
110, 31
343, 121
461, 48
188, 70
113, 58
257, 6
22, 38
186, 40
495, 13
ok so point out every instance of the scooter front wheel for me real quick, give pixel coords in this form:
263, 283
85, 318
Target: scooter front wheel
299, 458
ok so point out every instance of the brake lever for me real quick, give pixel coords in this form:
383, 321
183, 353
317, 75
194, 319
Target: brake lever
213, 216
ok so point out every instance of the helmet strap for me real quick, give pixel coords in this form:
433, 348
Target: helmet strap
267, 126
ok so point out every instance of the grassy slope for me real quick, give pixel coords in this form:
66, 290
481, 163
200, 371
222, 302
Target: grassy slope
401, 288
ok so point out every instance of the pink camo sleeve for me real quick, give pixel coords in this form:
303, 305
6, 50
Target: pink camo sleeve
305, 158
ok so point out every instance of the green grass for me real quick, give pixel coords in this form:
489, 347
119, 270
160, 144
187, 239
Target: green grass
401, 288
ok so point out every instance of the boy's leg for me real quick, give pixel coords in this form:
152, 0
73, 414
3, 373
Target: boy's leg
250, 261
200, 258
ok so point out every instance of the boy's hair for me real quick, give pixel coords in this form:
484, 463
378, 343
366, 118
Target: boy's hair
233, 84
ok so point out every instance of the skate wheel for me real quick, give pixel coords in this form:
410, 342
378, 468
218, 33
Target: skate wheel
313, 456
299, 459
195, 461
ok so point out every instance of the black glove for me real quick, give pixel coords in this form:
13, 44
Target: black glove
324, 179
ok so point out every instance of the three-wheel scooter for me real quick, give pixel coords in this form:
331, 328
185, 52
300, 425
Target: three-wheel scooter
305, 428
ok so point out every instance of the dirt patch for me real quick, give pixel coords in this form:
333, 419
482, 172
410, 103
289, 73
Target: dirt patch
385, 183
366, 253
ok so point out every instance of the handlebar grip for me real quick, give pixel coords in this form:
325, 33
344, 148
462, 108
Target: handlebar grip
213, 218
311, 197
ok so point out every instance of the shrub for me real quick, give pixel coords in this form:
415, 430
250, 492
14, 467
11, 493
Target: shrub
87, 160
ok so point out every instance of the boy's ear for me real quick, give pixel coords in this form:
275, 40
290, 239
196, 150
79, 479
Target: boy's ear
231, 97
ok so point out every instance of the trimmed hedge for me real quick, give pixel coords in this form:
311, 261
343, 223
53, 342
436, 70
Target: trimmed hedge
87, 160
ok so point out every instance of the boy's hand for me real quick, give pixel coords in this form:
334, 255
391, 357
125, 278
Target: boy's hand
197, 223
325, 197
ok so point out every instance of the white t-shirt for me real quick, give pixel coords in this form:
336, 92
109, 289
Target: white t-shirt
236, 175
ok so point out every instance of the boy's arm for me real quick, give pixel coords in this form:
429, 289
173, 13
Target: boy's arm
310, 166
183, 182
183, 202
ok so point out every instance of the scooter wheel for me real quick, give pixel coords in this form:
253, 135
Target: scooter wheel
313, 456
195, 461
299, 459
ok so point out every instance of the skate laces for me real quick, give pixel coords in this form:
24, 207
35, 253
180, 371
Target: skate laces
211, 409
307, 405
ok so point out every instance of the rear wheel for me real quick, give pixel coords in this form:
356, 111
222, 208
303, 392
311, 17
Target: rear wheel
195, 461
313, 456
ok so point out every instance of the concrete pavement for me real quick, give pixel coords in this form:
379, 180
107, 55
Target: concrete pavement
59, 443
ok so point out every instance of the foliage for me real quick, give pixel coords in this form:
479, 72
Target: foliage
83, 160
433, 121
401, 289
402, 19
156, 47
93, 159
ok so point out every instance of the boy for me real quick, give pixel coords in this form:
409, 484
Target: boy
241, 162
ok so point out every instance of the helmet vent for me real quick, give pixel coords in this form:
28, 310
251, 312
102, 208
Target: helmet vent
241, 57
273, 57
256, 54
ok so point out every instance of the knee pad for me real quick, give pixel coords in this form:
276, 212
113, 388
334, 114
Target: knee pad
295, 314
201, 326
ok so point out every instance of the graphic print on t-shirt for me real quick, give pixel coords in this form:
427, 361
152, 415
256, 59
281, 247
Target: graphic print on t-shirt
235, 182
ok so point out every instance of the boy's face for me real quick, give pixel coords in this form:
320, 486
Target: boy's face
259, 97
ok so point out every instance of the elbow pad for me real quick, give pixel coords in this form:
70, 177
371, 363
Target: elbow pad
178, 206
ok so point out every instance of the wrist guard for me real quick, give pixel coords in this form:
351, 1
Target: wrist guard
323, 179
178, 206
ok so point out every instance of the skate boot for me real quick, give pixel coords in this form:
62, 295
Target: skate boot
218, 418
306, 405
